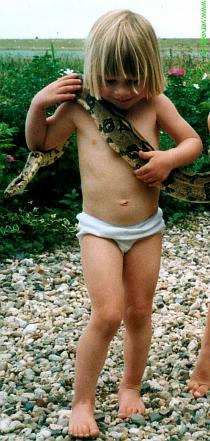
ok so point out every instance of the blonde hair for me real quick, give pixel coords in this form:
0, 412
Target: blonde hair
123, 43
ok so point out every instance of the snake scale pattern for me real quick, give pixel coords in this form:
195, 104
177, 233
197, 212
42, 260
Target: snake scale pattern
124, 140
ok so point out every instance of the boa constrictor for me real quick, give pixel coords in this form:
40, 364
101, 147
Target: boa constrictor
124, 140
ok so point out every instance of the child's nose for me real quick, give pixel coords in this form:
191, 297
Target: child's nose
122, 91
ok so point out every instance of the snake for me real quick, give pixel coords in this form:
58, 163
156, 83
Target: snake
126, 141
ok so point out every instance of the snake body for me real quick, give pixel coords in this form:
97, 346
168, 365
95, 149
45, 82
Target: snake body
122, 137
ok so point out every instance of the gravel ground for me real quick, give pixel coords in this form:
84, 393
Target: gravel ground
44, 309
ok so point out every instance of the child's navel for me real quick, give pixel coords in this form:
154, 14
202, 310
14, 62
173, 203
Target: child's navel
124, 202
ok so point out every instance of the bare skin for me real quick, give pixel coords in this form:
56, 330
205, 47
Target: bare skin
199, 383
121, 287
132, 303
139, 292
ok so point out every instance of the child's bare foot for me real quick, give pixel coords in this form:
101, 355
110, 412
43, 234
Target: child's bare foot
82, 423
200, 379
130, 402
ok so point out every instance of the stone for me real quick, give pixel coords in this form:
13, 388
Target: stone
138, 419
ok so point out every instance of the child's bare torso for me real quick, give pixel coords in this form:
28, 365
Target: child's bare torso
111, 191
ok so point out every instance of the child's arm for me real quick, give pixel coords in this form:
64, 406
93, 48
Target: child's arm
44, 133
189, 145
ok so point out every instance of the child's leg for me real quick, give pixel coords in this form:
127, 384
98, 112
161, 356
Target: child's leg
200, 378
102, 265
141, 269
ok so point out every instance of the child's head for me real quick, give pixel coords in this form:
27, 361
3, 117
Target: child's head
122, 43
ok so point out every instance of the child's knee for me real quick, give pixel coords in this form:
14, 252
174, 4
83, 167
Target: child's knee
107, 322
137, 316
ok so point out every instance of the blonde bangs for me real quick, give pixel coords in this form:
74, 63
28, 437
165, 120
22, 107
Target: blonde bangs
123, 44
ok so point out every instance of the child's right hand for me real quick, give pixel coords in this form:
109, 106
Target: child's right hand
57, 92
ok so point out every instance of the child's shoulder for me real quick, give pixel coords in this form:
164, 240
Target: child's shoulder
69, 111
164, 106
161, 100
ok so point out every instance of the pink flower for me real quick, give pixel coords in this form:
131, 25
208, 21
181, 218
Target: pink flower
10, 158
179, 72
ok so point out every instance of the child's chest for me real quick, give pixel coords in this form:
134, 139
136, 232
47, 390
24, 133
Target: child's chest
143, 119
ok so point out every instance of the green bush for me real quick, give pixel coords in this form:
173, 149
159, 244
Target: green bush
192, 99
19, 82
25, 228
30, 230
191, 95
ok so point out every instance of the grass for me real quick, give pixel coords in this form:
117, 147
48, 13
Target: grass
176, 44
42, 44
182, 44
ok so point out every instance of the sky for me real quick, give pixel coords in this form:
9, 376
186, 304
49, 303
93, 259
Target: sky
74, 18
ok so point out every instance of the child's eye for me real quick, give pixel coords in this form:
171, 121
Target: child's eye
107, 81
133, 82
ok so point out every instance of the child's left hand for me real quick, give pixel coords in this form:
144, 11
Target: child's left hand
156, 170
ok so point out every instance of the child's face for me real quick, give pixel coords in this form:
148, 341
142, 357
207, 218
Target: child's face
122, 92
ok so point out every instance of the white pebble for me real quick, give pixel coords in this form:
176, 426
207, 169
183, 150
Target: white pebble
45, 433
5, 424
30, 329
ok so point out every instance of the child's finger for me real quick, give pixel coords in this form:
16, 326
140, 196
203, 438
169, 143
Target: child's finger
146, 155
155, 184
67, 78
142, 170
69, 88
148, 179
